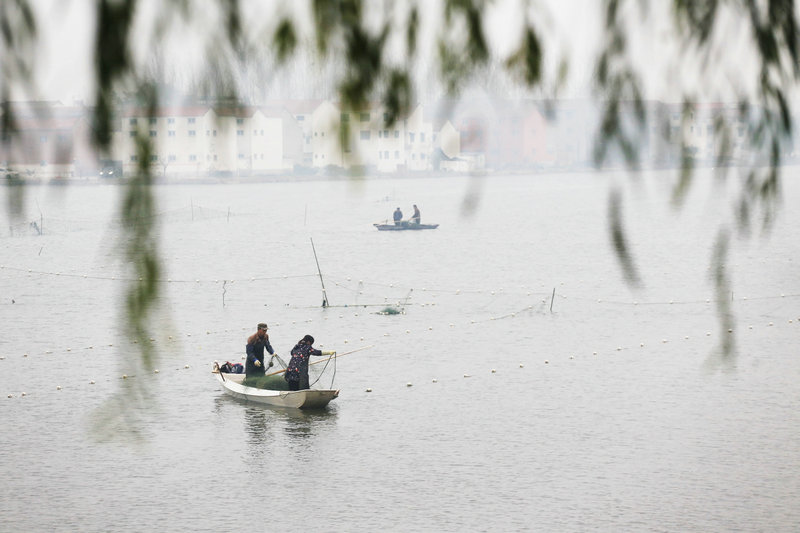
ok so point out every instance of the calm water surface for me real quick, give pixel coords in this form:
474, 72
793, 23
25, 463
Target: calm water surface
525, 387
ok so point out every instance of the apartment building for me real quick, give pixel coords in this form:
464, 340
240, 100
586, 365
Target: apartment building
203, 140
51, 140
348, 139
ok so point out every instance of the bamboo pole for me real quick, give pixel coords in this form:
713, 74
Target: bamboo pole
328, 359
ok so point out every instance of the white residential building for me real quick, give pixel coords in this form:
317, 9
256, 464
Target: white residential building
362, 139
200, 140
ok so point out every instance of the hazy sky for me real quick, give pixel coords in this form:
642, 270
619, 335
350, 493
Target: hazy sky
568, 28
67, 29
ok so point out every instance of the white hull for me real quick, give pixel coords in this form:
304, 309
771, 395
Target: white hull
302, 399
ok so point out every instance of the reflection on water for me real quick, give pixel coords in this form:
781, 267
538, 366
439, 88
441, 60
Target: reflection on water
262, 422
302, 423
256, 426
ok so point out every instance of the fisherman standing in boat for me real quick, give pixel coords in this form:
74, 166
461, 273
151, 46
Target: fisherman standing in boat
416, 218
297, 370
256, 344
398, 217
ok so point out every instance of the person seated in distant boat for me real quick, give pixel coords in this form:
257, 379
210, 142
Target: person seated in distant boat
416, 218
297, 370
256, 344
398, 217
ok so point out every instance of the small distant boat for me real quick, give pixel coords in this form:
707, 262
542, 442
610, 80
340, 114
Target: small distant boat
404, 226
302, 399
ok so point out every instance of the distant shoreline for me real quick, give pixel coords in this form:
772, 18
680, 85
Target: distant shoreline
306, 178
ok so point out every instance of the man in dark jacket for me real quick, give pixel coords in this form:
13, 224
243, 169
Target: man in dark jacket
398, 217
256, 344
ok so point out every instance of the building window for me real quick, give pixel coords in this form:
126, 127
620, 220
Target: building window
262, 133
172, 158
132, 133
153, 121
364, 135
154, 158
411, 137
239, 121
192, 158
192, 133
396, 134
240, 133
364, 117
386, 133
214, 133
132, 121
255, 132
171, 133
134, 158
191, 120
153, 133
301, 118
397, 154
241, 156
386, 154
422, 137
345, 117
170, 120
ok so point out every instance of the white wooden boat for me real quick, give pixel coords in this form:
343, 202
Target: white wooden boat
302, 399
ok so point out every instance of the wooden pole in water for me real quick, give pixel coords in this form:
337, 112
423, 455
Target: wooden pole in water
553, 297
324, 292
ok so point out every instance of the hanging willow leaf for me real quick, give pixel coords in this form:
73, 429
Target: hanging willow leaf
285, 40
618, 239
411, 32
397, 101
722, 288
112, 62
698, 16
527, 60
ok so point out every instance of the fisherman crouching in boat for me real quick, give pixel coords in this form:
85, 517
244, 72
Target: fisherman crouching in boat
297, 370
256, 344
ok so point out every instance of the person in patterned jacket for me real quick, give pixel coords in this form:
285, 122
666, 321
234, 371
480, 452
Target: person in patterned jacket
297, 370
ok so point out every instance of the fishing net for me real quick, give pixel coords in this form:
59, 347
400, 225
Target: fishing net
272, 380
269, 382
275, 381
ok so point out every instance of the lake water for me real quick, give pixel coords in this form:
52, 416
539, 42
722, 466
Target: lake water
525, 387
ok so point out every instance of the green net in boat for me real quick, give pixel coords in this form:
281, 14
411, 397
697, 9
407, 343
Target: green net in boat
275, 382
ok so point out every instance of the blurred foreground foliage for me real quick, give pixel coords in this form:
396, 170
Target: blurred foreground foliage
371, 51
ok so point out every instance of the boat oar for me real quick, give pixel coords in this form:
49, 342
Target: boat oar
328, 359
